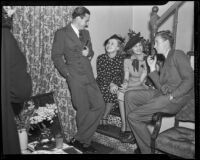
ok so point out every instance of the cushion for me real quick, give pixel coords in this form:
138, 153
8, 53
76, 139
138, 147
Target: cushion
177, 141
187, 112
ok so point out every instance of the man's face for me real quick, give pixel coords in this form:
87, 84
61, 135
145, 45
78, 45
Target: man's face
83, 22
160, 44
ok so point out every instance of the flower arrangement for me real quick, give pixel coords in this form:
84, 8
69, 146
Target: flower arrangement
23, 119
44, 113
41, 119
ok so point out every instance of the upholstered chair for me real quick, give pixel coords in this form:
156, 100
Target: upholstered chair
177, 141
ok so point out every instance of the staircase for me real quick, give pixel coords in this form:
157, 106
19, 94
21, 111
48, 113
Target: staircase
109, 136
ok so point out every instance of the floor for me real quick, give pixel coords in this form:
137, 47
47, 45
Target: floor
102, 149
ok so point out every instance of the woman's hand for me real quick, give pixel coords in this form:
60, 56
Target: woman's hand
124, 86
113, 88
152, 62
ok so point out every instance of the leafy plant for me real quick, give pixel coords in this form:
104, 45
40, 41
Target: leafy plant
23, 119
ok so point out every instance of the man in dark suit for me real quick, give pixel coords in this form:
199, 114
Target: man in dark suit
174, 87
74, 43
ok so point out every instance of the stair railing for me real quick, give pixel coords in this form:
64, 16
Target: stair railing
156, 21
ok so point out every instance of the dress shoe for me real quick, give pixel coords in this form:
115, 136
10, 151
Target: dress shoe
89, 149
129, 138
137, 151
75, 143
123, 134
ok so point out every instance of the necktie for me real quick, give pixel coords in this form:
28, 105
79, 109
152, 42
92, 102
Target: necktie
135, 65
80, 36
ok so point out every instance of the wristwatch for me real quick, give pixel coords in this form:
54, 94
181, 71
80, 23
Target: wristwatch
171, 97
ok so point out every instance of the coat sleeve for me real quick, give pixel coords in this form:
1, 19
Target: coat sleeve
186, 73
58, 53
91, 52
155, 78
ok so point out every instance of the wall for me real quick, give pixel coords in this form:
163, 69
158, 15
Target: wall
106, 21
184, 39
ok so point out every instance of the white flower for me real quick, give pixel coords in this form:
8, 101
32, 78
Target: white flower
48, 112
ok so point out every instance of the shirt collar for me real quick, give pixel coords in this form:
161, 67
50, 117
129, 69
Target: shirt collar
75, 29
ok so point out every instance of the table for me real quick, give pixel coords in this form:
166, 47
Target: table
66, 149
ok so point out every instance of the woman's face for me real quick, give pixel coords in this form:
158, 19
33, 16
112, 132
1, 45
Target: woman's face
160, 45
137, 48
112, 46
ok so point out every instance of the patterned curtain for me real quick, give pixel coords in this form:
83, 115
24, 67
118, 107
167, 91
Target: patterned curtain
34, 28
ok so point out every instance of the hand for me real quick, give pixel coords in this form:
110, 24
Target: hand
85, 51
124, 86
152, 62
165, 89
113, 88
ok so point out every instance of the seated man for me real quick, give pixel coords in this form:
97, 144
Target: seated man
174, 87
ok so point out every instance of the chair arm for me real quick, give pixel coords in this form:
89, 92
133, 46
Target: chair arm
156, 122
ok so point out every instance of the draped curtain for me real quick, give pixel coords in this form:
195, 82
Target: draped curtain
34, 28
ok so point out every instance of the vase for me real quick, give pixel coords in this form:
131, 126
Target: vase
59, 140
23, 139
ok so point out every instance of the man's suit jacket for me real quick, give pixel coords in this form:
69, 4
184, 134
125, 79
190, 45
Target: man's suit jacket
74, 65
176, 76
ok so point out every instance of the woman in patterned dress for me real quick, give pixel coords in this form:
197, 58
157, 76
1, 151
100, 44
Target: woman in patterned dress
135, 72
110, 72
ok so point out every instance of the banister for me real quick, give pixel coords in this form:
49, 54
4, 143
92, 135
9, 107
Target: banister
156, 20
168, 12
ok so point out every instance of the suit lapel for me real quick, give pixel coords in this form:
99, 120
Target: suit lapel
164, 69
71, 33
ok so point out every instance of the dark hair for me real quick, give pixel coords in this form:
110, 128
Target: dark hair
166, 35
80, 11
120, 42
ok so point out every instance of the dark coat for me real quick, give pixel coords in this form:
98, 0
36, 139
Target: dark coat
67, 43
16, 87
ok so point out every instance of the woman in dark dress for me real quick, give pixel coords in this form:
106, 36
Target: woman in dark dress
15, 81
110, 72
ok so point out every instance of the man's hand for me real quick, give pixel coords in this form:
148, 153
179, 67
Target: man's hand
85, 51
152, 62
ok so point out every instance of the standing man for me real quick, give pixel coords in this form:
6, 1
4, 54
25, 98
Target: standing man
74, 43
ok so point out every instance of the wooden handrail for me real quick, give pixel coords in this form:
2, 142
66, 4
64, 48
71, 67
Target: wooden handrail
168, 12
156, 20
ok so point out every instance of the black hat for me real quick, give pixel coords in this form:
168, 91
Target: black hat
115, 36
132, 41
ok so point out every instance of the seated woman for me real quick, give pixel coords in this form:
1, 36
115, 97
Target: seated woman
174, 88
110, 72
135, 72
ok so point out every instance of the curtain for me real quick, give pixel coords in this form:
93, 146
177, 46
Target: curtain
34, 28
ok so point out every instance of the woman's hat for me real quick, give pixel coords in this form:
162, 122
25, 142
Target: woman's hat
133, 41
115, 36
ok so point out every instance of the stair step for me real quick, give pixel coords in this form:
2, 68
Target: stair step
109, 135
115, 111
111, 142
109, 130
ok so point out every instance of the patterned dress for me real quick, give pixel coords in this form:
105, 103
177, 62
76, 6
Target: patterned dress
109, 70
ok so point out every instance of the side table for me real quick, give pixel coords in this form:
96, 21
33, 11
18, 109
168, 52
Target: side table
66, 149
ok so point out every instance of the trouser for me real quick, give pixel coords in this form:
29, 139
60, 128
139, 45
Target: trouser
89, 104
17, 108
140, 106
